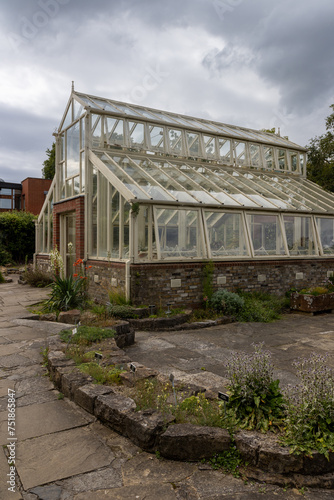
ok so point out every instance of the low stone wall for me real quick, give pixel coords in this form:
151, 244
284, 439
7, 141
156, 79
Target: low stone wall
152, 432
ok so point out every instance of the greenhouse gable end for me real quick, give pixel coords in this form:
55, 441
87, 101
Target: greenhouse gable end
147, 198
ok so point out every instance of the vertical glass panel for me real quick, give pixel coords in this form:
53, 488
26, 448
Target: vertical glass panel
178, 233
82, 165
193, 143
240, 153
209, 146
302, 163
73, 150
226, 234
76, 185
266, 234
299, 235
5, 203
225, 150
126, 229
69, 188
114, 131
136, 131
82, 133
114, 223
175, 141
255, 158
96, 131
103, 215
77, 109
268, 157
325, 227
156, 137
68, 118
62, 147
93, 232
293, 161
281, 159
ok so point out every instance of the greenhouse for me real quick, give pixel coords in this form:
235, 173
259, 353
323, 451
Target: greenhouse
146, 198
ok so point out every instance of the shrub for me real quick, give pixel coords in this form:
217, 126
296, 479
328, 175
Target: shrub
66, 293
120, 311
17, 235
310, 407
226, 302
118, 298
5, 256
261, 307
37, 278
256, 400
86, 335
2, 279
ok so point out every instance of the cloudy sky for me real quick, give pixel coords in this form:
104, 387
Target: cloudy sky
254, 63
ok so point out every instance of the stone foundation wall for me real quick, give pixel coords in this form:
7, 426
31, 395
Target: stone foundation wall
103, 276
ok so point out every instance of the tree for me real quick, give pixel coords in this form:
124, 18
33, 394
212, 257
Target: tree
50, 163
320, 165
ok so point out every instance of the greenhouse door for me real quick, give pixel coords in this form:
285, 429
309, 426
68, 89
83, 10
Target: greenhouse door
68, 239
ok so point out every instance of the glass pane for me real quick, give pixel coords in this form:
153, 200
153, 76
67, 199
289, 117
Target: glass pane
326, 232
136, 131
146, 234
226, 234
175, 141
93, 232
209, 146
293, 161
78, 109
157, 137
62, 147
73, 150
301, 163
68, 118
268, 157
114, 223
266, 234
225, 150
82, 164
281, 159
193, 143
178, 232
103, 215
69, 188
76, 185
147, 183
299, 235
240, 153
96, 131
114, 131
126, 229
255, 155
105, 105
5, 203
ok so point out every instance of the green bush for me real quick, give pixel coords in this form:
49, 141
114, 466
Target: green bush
122, 312
86, 335
260, 307
310, 407
2, 279
256, 400
226, 302
38, 278
5, 256
17, 235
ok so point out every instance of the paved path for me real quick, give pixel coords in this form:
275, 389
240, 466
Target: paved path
63, 453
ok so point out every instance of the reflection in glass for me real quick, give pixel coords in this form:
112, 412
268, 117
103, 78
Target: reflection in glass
325, 227
266, 234
226, 234
299, 235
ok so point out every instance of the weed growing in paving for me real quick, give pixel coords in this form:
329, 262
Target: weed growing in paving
86, 335
229, 461
310, 407
256, 401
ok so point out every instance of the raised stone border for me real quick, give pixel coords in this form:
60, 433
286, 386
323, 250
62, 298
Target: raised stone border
147, 429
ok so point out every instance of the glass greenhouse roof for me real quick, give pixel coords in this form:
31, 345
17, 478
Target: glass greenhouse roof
168, 118
173, 181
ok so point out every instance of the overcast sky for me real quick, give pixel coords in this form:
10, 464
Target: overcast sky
253, 63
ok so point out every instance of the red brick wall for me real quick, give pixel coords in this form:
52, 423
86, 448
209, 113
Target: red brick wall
33, 193
76, 205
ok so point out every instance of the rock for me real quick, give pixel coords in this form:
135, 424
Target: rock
129, 379
85, 396
193, 442
274, 458
145, 427
48, 317
72, 381
72, 317
318, 464
248, 444
113, 410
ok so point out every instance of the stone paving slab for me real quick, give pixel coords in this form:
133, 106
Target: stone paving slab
39, 419
14, 360
152, 492
61, 455
4, 470
4, 386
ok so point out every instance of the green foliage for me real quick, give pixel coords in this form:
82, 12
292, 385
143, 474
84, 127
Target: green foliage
66, 293
310, 407
261, 307
228, 303
229, 461
120, 311
208, 281
316, 290
320, 166
86, 335
37, 278
198, 410
102, 374
17, 236
118, 298
48, 170
256, 400
2, 279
